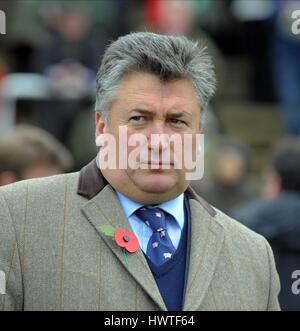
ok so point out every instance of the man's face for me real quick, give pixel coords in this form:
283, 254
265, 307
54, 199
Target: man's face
147, 106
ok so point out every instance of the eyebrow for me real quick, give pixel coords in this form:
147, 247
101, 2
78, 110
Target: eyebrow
142, 111
149, 112
177, 115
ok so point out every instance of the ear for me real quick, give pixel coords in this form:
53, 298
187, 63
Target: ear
100, 125
100, 129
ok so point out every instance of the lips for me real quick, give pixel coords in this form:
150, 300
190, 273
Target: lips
156, 166
157, 163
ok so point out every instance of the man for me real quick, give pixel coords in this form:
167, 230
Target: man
57, 249
276, 216
29, 152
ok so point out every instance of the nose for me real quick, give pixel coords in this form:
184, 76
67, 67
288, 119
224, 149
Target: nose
158, 138
156, 127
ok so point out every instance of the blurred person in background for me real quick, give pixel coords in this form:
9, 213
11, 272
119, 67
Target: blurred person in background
227, 185
256, 19
177, 17
69, 63
29, 152
32, 26
276, 215
70, 60
3, 115
172, 17
286, 65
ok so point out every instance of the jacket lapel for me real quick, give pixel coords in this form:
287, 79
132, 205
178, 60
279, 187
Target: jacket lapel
206, 240
104, 209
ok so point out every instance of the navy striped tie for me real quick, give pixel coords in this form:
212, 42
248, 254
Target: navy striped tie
160, 248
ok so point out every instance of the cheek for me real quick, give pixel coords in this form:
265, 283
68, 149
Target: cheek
185, 147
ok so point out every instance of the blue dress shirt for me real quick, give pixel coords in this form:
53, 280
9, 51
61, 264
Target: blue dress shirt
175, 207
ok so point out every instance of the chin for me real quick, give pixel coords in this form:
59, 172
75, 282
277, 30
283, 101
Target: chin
155, 182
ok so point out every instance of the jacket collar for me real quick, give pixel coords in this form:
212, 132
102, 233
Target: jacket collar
91, 182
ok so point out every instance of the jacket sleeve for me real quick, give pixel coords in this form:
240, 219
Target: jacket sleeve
11, 296
274, 287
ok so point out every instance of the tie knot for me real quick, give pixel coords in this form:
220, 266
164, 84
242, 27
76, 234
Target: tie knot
154, 217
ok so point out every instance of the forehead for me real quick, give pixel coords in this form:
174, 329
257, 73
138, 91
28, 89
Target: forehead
147, 90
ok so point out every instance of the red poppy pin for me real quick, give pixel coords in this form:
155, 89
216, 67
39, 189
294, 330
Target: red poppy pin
126, 240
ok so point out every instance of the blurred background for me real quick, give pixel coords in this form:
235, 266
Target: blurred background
48, 61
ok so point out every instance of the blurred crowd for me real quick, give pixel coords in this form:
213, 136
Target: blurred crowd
48, 62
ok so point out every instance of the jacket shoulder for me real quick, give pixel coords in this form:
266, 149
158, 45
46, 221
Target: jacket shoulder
36, 198
251, 256
238, 231
38, 185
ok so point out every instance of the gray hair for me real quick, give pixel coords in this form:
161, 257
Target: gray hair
168, 57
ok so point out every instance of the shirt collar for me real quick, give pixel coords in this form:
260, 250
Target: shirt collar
175, 207
129, 206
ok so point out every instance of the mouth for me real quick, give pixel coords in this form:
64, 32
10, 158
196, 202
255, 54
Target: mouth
158, 164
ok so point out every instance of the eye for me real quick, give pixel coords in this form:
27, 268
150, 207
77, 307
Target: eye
176, 122
137, 119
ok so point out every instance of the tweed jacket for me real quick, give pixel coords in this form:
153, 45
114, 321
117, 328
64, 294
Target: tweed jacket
54, 257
